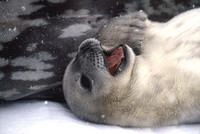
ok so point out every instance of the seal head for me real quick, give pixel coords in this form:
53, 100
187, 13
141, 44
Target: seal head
94, 76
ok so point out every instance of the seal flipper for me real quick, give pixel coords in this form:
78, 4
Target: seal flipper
126, 29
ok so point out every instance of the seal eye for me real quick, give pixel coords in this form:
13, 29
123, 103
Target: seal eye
86, 82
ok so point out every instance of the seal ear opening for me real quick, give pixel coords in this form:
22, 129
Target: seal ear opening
86, 82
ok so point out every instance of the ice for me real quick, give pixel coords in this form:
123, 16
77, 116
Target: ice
46, 117
75, 30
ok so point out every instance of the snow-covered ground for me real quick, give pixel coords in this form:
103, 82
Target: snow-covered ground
44, 117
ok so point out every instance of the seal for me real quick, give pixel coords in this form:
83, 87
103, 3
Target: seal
109, 84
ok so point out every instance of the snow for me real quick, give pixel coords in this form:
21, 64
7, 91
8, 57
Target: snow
23, 8
46, 117
12, 29
75, 30
31, 75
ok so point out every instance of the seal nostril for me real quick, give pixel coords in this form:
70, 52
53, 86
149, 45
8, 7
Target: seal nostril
86, 82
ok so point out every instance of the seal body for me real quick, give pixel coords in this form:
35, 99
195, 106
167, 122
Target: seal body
159, 87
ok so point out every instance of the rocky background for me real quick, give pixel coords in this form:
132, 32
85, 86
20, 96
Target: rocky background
38, 38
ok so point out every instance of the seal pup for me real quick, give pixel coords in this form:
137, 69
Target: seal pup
159, 87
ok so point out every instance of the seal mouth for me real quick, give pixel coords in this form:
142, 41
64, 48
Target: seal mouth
115, 60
